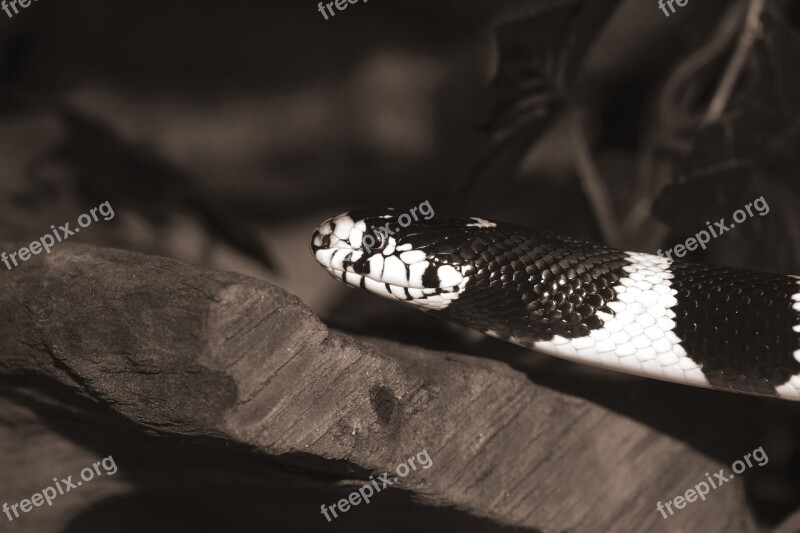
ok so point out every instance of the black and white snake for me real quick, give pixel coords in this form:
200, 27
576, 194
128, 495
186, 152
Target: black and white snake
701, 325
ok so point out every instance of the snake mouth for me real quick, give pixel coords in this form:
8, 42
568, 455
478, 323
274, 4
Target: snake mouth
436, 298
356, 268
430, 298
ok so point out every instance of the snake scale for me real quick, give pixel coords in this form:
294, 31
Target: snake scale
701, 325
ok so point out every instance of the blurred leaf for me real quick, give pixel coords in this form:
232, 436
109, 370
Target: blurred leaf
107, 168
538, 58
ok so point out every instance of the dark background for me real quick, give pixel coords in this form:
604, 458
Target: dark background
223, 133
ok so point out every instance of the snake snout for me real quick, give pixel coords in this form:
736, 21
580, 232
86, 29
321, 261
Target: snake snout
319, 241
338, 234
339, 226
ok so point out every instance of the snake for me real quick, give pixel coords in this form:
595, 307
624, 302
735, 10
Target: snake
691, 323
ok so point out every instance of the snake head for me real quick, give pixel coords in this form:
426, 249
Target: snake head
408, 255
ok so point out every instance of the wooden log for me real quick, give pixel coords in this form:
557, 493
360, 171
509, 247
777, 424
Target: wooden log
225, 400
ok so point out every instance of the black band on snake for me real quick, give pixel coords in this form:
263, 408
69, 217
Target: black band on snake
701, 325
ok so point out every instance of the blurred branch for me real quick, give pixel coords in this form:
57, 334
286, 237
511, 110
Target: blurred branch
747, 37
675, 127
592, 182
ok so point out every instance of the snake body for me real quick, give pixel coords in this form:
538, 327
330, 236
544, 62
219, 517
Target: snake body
702, 325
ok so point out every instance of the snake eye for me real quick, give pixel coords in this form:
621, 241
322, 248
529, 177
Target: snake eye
383, 240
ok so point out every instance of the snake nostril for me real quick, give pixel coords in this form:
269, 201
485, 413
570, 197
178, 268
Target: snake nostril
320, 241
